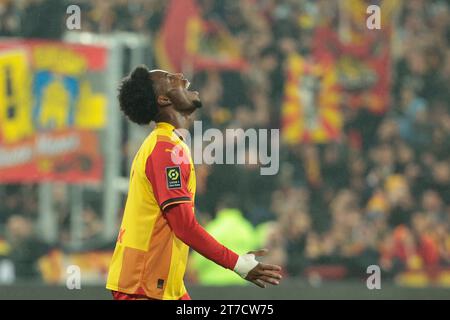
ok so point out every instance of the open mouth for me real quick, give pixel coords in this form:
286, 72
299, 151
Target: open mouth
188, 85
192, 91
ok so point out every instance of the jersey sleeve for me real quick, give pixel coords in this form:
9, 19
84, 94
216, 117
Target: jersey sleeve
182, 221
169, 178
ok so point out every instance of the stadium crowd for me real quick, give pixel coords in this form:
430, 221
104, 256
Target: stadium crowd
380, 198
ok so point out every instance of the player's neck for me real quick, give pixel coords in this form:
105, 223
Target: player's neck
177, 119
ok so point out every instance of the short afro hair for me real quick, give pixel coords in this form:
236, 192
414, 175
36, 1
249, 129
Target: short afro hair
137, 97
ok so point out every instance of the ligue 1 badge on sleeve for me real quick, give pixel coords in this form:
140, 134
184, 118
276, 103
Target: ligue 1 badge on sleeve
173, 177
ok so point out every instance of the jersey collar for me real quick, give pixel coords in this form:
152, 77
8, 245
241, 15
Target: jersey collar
167, 126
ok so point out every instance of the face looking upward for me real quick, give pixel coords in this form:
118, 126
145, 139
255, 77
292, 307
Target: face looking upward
172, 89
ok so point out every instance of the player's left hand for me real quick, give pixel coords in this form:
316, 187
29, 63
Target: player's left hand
262, 273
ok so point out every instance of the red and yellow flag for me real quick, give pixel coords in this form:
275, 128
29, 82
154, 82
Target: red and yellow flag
310, 112
187, 42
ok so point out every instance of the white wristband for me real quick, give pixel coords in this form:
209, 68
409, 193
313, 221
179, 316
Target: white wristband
244, 264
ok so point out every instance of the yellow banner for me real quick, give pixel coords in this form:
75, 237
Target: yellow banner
48, 86
15, 97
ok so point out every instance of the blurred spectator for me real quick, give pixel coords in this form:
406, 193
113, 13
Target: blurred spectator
25, 248
9, 19
43, 19
92, 226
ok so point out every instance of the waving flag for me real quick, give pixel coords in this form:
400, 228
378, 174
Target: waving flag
362, 55
310, 112
187, 42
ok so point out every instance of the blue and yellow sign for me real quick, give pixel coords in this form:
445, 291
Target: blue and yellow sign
48, 88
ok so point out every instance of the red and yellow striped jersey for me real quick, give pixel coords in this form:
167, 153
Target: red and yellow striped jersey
148, 258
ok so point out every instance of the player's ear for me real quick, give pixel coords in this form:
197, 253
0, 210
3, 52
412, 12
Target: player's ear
164, 101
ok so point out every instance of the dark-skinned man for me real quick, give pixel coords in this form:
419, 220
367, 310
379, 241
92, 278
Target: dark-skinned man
159, 223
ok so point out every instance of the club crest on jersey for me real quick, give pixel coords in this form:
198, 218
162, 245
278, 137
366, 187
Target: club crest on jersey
173, 177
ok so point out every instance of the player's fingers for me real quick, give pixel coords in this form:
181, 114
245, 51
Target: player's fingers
259, 283
259, 253
271, 274
269, 280
273, 267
